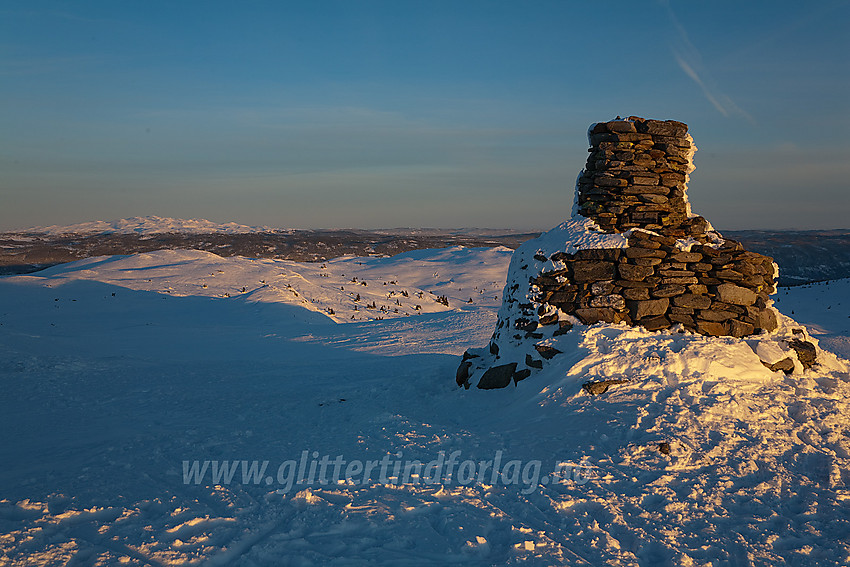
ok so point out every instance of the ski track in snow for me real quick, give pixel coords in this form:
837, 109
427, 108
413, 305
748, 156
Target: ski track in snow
116, 370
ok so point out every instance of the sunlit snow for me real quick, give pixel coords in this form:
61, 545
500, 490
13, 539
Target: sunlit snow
117, 371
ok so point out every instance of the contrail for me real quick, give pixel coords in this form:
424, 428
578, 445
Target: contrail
688, 58
693, 75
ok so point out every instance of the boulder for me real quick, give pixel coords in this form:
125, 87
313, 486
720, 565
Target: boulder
462, 374
693, 301
684, 280
606, 181
716, 315
635, 273
730, 275
735, 294
740, 328
550, 319
646, 261
636, 293
592, 270
671, 128
564, 327
602, 288
648, 307
786, 365
683, 318
644, 252
711, 328
669, 291
655, 323
614, 301
806, 352
590, 315
547, 352
497, 376
618, 126
531, 362
767, 320
521, 375
688, 257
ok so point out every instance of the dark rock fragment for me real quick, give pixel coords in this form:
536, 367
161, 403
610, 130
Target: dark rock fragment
786, 365
806, 352
462, 374
497, 376
546, 351
521, 375
532, 362
600, 387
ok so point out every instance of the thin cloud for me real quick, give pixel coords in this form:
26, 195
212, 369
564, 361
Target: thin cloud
689, 59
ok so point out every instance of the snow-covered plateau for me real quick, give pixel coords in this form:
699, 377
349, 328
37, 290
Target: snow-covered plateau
149, 225
177, 407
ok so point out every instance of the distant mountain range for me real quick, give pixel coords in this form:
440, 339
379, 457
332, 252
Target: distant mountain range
150, 225
803, 256
38, 247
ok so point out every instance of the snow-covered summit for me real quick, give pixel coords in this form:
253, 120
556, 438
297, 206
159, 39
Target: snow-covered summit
120, 373
150, 225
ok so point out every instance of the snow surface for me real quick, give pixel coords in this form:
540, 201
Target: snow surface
341, 289
824, 307
116, 370
149, 225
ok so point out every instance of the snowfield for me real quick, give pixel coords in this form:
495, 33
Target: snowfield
824, 307
122, 376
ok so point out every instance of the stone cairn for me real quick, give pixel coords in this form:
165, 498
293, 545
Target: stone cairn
675, 270
636, 177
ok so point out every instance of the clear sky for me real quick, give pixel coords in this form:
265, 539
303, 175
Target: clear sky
400, 113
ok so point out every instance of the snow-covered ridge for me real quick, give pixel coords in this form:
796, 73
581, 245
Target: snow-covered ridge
345, 289
151, 225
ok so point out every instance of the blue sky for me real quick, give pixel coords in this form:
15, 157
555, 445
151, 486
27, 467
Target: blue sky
384, 114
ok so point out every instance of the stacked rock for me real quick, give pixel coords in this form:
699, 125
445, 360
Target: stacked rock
632, 253
653, 283
636, 176
672, 267
676, 268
